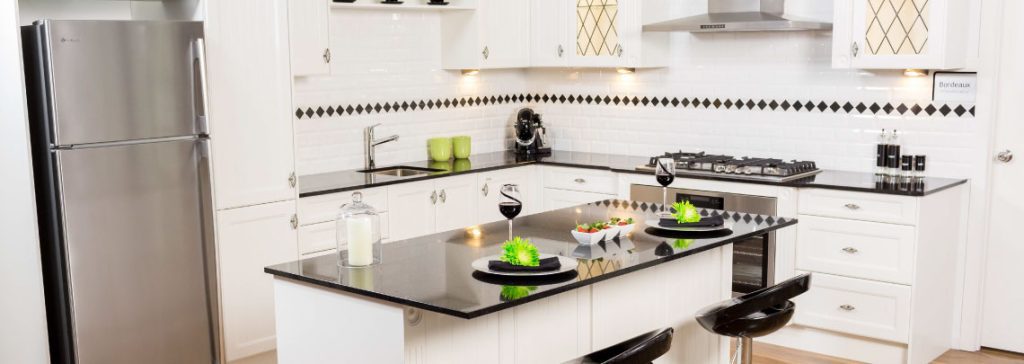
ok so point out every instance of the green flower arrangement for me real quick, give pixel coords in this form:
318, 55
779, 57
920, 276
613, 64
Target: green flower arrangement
682, 243
510, 293
521, 252
685, 212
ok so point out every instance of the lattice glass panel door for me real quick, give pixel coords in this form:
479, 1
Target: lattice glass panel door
597, 32
899, 33
896, 27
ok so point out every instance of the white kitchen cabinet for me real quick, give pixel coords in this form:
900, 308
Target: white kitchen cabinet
496, 35
899, 34
422, 208
456, 206
596, 33
884, 278
249, 239
250, 102
549, 36
309, 32
489, 187
411, 209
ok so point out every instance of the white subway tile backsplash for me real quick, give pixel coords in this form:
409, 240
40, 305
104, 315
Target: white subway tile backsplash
396, 58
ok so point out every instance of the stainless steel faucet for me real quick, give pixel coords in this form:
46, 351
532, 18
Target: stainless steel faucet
370, 144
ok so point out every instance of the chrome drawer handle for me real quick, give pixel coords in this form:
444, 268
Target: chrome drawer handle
852, 206
850, 250
847, 308
580, 180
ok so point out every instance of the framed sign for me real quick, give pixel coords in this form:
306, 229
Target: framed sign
959, 87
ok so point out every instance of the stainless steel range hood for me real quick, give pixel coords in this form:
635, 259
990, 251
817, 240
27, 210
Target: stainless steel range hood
739, 16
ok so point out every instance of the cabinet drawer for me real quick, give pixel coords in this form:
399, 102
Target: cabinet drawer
321, 236
323, 208
860, 249
558, 199
856, 306
859, 206
317, 238
576, 179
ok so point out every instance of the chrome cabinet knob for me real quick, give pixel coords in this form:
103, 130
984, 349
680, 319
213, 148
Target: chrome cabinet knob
850, 250
847, 308
444, 196
580, 181
295, 221
1005, 156
293, 180
855, 49
433, 197
487, 52
486, 189
852, 206
561, 51
327, 55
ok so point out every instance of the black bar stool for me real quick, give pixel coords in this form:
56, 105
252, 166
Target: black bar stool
642, 349
754, 314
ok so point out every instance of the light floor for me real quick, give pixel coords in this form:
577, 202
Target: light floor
771, 354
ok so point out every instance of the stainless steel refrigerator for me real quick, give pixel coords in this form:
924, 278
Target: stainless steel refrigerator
120, 153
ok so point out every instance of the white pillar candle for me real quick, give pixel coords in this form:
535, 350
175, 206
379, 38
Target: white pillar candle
360, 241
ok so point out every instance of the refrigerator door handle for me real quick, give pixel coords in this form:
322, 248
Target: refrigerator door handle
200, 85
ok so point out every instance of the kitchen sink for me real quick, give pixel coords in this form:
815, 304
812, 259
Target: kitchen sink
402, 171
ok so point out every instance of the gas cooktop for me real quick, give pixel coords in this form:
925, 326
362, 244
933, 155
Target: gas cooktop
745, 168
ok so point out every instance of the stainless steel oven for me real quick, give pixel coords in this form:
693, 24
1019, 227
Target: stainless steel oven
753, 260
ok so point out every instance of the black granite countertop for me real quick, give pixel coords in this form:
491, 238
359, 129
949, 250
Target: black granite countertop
326, 183
433, 272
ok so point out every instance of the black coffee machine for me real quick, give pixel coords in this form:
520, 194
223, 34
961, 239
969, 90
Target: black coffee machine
531, 137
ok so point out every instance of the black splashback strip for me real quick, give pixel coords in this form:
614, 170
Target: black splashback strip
767, 105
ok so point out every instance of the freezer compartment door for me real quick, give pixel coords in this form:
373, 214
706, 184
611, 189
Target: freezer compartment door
133, 233
121, 80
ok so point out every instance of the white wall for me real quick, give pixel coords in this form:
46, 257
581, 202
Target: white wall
32, 10
23, 328
394, 56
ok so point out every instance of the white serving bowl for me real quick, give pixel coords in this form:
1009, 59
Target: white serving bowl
611, 232
625, 229
588, 238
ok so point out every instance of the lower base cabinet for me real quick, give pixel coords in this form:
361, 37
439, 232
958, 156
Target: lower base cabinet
555, 199
249, 239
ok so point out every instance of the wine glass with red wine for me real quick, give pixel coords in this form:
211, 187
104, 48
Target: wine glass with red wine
510, 204
665, 173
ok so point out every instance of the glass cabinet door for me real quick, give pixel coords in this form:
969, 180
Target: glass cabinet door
597, 32
894, 33
896, 27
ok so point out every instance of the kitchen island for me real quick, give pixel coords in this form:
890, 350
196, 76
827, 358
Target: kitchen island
426, 304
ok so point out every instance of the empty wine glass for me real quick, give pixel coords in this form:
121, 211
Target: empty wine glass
510, 204
665, 173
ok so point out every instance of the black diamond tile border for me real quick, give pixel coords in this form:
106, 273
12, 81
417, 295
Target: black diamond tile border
764, 105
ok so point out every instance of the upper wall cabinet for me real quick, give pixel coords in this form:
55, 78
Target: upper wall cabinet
496, 35
896, 34
309, 29
597, 33
250, 102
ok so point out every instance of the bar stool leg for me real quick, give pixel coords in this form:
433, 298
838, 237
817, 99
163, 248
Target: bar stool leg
746, 350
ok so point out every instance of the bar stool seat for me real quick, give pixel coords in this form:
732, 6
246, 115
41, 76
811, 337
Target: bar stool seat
642, 349
755, 314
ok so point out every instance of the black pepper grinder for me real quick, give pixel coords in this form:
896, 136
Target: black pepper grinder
919, 165
881, 151
892, 155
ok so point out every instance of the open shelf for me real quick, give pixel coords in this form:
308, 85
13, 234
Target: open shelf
411, 5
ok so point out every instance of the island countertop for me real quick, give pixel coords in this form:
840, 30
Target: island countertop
433, 272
